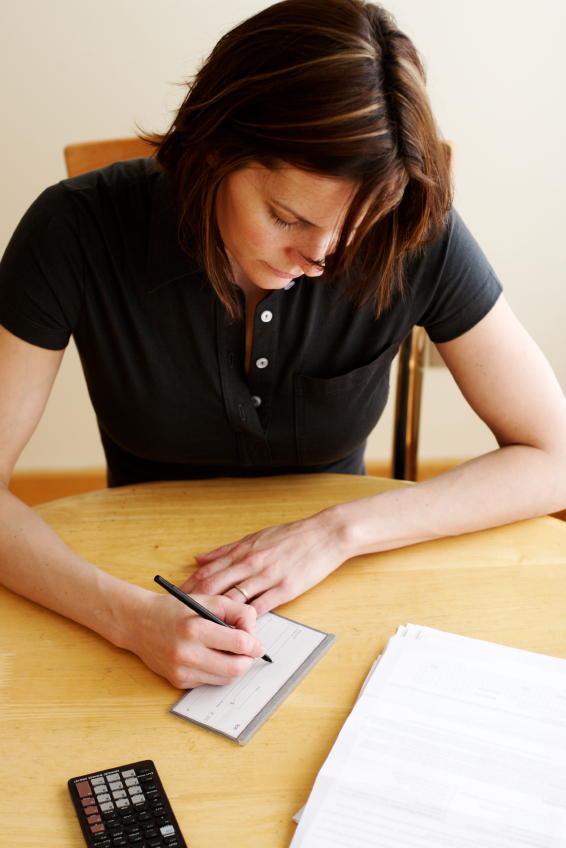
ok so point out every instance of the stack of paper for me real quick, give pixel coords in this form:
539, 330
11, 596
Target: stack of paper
453, 742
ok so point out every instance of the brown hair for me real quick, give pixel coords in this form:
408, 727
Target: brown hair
330, 86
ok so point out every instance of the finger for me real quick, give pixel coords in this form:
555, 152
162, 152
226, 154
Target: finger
232, 575
217, 552
271, 599
208, 569
211, 665
233, 613
190, 585
215, 639
237, 595
193, 583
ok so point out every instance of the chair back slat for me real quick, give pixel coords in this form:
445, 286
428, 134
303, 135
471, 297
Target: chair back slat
90, 155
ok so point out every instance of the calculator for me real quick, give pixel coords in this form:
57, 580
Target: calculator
125, 806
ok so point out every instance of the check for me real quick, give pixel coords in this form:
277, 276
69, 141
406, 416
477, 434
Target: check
240, 708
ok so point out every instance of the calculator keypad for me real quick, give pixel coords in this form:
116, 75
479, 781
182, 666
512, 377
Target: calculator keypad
125, 807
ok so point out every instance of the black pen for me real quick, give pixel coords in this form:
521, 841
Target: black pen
195, 606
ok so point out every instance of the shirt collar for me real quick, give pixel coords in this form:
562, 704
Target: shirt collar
166, 259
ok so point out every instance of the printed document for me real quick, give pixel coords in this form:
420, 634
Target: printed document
454, 743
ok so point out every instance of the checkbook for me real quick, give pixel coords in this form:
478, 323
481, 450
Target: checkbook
239, 709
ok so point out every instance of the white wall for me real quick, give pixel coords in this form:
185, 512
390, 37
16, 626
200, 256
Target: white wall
74, 70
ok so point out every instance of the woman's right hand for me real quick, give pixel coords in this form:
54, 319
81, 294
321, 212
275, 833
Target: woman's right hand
188, 650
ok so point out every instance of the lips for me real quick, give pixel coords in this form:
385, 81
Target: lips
283, 274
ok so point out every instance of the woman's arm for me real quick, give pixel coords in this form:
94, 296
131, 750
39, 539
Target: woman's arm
509, 383
35, 563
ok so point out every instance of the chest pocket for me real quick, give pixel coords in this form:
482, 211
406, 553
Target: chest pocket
334, 417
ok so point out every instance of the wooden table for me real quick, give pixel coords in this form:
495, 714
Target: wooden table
72, 703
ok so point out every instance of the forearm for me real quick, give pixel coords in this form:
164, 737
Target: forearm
35, 563
509, 484
171, 640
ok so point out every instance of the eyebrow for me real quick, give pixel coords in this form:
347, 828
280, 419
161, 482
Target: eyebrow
290, 211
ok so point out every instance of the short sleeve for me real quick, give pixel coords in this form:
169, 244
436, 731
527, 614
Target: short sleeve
41, 273
453, 285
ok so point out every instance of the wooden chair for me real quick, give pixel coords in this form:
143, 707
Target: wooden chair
409, 389
90, 155
81, 158
408, 405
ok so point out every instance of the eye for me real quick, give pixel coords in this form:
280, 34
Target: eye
279, 222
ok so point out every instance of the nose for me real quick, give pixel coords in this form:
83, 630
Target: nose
310, 254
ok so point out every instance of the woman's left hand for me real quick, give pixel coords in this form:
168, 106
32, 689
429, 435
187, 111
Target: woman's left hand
273, 565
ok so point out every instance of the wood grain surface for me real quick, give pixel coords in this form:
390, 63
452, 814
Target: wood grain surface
71, 703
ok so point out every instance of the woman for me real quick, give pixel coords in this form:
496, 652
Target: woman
237, 307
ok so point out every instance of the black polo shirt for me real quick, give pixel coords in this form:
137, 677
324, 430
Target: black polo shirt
97, 256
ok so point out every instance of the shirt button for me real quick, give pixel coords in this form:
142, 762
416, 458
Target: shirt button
256, 400
290, 285
262, 363
266, 316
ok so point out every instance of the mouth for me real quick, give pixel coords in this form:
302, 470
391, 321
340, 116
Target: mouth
283, 274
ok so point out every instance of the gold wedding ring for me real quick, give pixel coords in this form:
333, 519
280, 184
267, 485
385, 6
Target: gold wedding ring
244, 593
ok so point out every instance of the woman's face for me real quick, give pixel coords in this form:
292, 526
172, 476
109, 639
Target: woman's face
275, 224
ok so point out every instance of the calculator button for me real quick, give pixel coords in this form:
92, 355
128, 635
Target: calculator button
129, 819
171, 841
162, 820
96, 828
129, 773
132, 781
94, 819
87, 802
107, 807
144, 816
119, 841
138, 800
90, 811
119, 793
112, 775
100, 788
101, 840
122, 802
115, 785
145, 770
135, 837
103, 799
96, 781
168, 830
154, 843
83, 788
